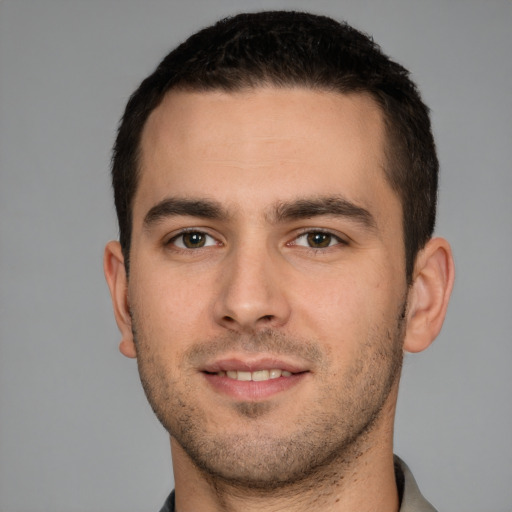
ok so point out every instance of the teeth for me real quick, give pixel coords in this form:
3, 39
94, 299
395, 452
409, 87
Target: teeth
259, 375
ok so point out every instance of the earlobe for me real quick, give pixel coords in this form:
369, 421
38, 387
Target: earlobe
429, 295
115, 274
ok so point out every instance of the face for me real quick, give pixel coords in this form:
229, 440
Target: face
267, 279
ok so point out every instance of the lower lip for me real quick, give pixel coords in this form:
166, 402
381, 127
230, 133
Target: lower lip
253, 391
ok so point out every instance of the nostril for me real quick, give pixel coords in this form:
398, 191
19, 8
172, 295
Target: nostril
267, 318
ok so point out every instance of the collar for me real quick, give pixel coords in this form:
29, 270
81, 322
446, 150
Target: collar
411, 499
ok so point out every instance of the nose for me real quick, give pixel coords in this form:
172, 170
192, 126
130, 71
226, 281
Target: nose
253, 293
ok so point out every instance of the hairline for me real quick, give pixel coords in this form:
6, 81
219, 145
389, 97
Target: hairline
392, 157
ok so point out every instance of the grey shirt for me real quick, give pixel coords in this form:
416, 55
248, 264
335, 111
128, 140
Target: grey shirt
412, 500
410, 497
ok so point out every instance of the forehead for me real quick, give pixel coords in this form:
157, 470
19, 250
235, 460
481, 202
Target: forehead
266, 144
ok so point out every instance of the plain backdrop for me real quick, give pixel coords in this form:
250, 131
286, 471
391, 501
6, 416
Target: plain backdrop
76, 434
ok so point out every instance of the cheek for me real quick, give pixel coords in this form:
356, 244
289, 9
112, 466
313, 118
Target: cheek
335, 310
171, 305
344, 308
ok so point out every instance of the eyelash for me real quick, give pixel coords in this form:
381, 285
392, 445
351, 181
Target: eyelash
304, 234
307, 232
193, 231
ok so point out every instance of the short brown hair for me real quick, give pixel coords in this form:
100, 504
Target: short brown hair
293, 49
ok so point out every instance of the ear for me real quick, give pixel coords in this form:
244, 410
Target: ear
429, 294
115, 274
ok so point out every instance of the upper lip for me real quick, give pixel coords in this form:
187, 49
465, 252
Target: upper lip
248, 364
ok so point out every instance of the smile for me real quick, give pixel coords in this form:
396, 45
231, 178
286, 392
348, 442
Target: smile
257, 376
252, 379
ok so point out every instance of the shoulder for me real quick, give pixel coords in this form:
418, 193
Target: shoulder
412, 499
169, 504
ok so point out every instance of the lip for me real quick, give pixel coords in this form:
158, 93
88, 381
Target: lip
251, 365
253, 391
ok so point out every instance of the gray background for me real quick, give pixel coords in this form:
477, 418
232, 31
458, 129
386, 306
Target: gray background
76, 433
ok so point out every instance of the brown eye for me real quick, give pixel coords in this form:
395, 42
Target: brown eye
319, 240
192, 240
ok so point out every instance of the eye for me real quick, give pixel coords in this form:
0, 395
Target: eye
192, 240
317, 240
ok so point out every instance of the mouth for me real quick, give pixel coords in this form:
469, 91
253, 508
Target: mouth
256, 376
253, 380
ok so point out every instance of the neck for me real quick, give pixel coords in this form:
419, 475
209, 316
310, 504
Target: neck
362, 478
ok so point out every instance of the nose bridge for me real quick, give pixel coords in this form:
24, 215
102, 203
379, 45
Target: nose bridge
252, 296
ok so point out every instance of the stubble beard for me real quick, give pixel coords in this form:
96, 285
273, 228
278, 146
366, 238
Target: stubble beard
327, 437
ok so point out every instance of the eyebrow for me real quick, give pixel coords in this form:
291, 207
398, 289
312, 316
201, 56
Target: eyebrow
172, 207
336, 206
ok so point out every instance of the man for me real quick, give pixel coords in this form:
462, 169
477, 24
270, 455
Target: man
275, 182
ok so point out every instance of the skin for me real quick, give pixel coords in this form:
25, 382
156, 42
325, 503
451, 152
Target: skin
236, 170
